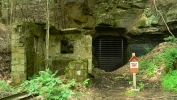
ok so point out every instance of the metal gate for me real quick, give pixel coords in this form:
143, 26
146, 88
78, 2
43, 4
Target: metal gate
110, 52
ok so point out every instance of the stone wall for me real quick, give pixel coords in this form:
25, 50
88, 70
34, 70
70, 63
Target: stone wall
28, 51
82, 51
78, 70
26, 54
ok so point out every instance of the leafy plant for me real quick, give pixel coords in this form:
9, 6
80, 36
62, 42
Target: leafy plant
169, 81
6, 89
86, 82
141, 85
149, 66
151, 69
171, 39
49, 86
171, 56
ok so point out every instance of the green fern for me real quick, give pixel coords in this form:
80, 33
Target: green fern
169, 81
170, 56
49, 86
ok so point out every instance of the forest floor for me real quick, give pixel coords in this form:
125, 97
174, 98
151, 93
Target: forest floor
117, 85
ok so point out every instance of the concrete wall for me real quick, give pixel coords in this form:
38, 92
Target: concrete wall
28, 53
82, 51
26, 61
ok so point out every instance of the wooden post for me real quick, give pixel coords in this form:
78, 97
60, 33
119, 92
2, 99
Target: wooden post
134, 80
134, 76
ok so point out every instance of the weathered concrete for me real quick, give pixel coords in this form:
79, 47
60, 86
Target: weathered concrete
78, 70
82, 51
26, 61
28, 51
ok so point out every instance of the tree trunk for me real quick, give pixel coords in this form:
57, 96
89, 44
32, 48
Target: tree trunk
47, 34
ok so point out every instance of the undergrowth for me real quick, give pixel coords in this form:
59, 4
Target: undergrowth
49, 86
169, 81
166, 56
6, 89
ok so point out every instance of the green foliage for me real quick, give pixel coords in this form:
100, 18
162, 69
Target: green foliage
171, 39
6, 89
5, 86
86, 82
169, 81
170, 56
141, 85
47, 85
151, 69
150, 65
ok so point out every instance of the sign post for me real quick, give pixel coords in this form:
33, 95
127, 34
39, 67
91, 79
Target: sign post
134, 69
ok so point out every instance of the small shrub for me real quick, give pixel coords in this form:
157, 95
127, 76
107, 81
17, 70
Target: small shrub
170, 56
47, 85
6, 89
86, 82
148, 66
141, 85
169, 81
171, 39
151, 69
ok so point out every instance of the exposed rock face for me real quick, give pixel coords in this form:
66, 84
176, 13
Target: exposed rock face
79, 14
137, 16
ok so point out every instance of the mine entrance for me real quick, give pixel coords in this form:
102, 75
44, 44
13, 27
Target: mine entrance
110, 52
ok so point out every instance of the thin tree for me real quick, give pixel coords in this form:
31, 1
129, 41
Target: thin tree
47, 35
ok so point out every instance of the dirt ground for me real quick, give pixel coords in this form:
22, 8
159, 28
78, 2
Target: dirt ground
117, 86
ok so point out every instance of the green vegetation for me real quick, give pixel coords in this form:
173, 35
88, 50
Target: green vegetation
171, 39
141, 85
171, 56
86, 82
169, 81
47, 85
149, 66
167, 56
6, 89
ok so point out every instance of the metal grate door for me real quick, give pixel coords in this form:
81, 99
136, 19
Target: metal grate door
110, 52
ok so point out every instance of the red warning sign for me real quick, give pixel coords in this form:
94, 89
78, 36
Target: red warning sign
134, 64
